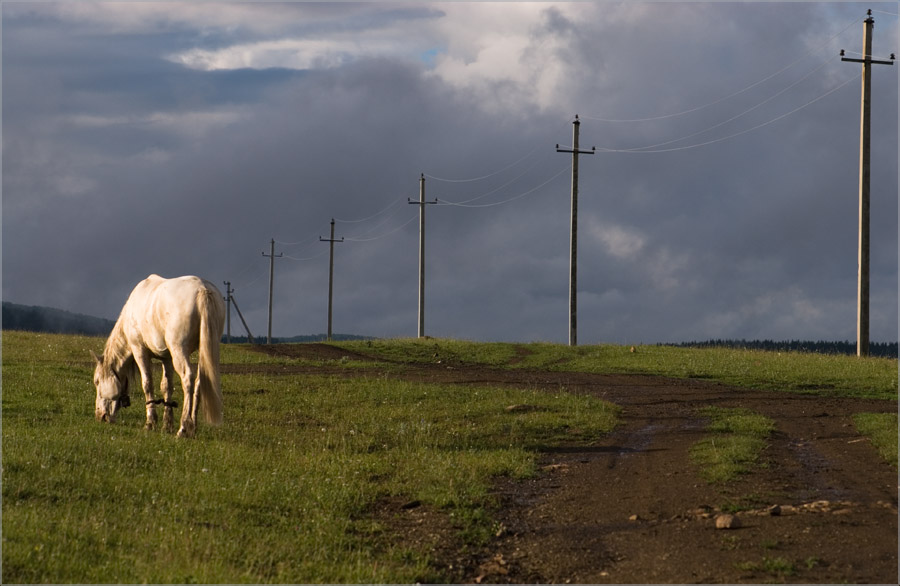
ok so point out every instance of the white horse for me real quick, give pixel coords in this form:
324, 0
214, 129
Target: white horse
166, 319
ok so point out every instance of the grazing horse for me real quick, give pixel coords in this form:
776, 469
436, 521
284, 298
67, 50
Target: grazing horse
166, 319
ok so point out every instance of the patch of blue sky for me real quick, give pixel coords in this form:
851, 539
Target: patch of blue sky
429, 57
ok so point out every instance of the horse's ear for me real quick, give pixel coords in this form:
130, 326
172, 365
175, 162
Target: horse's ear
97, 359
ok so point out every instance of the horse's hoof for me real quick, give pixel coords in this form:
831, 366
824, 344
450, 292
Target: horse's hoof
184, 433
149, 426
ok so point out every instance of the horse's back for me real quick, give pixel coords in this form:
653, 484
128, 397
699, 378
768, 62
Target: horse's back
165, 310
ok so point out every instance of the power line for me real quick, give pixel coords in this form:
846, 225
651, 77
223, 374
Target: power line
491, 192
735, 117
409, 221
299, 242
506, 201
376, 214
737, 93
510, 166
303, 258
730, 136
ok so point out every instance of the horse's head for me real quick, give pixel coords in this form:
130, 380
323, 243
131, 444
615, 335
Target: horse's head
112, 391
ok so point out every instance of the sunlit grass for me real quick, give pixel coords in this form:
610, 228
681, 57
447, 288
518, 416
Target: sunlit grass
881, 428
800, 372
284, 491
738, 437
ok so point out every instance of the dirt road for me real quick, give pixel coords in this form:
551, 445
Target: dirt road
632, 508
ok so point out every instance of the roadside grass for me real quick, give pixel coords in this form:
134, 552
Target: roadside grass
238, 354
738, 438
799, 372
436, 351
285, 491
778, 567
881, 429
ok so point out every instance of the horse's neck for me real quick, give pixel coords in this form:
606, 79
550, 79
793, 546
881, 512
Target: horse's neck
117, 352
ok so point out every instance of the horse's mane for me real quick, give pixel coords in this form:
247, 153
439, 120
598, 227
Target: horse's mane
117, 356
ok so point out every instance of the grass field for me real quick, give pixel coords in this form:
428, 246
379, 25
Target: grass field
737, 438
820, 374
285, 490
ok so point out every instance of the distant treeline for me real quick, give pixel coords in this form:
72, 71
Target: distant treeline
32, 318
56, 321
881, 349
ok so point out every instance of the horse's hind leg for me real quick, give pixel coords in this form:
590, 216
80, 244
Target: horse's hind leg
185, 370
168, 387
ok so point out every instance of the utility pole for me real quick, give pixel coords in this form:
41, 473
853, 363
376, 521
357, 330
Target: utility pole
865, 136
421, 203
272, 256
331, 242
573, 233
228, 292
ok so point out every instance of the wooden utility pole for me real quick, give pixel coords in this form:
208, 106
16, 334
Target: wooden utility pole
272, 257
573, 233
331, 242
865, 135
228, 292
421, 203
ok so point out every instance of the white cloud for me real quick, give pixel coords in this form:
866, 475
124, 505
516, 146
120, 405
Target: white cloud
192, 123
621, 242
74, 185
787, 313
499, 52
289, 53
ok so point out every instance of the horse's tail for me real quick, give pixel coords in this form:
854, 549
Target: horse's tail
212, 319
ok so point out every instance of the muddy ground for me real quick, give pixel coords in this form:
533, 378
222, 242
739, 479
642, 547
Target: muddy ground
631, 508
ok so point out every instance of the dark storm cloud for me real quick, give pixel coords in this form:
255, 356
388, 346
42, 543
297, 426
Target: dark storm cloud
144, 139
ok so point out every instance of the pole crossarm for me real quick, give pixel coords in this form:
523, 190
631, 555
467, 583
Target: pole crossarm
867, 60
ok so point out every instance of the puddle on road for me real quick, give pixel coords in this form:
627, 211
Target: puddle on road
638, 441
814, 466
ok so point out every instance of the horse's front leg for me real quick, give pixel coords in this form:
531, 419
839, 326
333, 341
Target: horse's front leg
167, 387
185, 370
144, 365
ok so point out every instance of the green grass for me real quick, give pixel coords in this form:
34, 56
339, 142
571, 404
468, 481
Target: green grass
799, 372
285, 491
738, 437
777, 567
881, 428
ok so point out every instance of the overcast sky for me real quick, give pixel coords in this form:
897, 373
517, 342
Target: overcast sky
180, 138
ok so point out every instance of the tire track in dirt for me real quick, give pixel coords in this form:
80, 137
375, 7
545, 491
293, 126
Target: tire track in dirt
633, 510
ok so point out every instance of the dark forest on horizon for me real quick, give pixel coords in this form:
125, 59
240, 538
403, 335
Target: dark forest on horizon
56, 321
